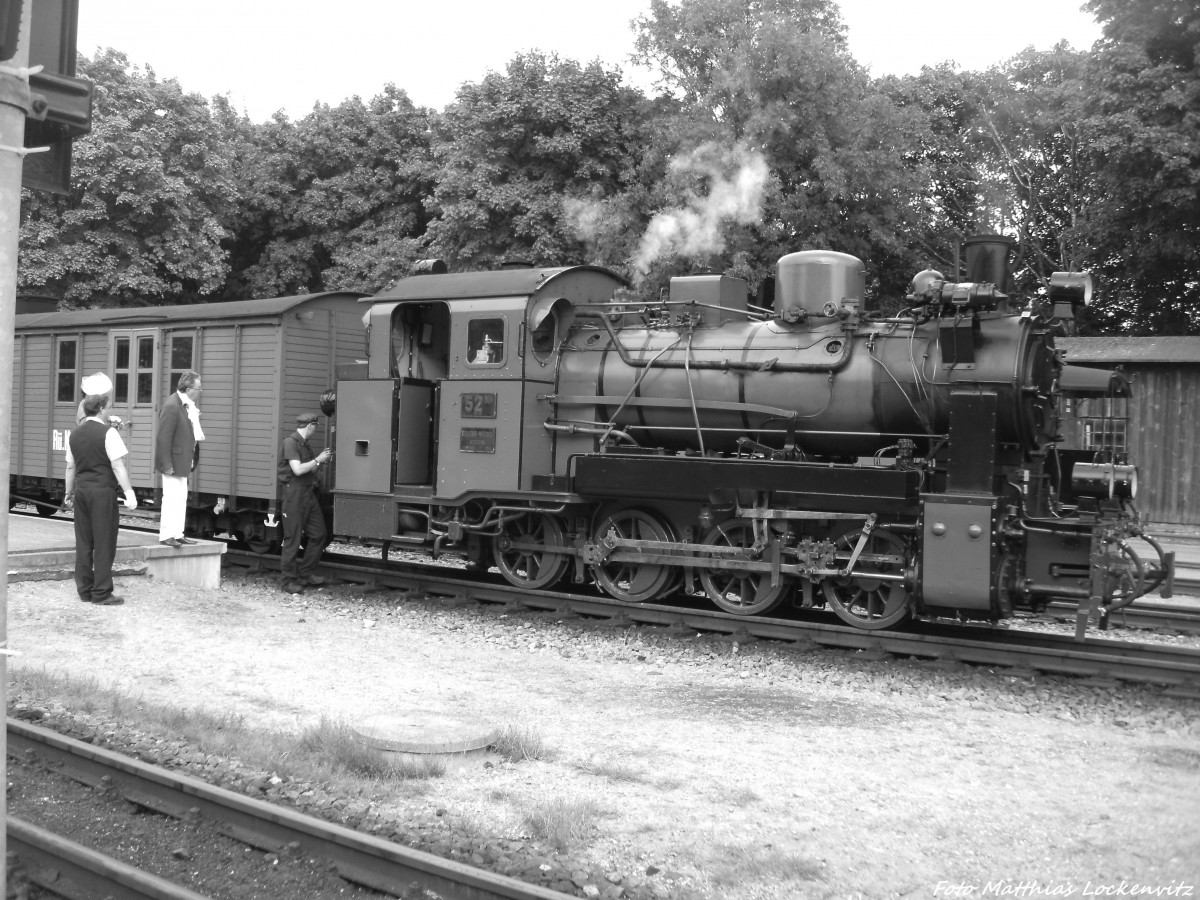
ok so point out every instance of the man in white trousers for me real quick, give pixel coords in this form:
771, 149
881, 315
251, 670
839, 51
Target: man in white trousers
175, 453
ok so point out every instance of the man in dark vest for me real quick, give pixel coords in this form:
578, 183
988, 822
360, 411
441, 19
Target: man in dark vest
301, 512
95, 466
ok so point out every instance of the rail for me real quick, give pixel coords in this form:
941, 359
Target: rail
369, 861
1175, 668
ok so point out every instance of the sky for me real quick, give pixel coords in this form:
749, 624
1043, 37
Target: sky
286, 55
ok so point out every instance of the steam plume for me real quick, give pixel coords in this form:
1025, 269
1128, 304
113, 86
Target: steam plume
695, 227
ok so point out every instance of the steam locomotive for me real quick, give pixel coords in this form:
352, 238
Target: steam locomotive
795, 450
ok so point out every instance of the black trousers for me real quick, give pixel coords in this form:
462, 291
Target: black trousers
301, 519
96, 526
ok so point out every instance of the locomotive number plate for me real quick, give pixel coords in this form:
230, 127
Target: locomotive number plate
479, 406
477, 440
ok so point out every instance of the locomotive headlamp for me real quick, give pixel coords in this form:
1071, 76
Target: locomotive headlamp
924, 280
1071, 287
1104, 481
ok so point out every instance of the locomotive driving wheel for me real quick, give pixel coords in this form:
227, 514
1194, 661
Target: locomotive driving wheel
628, 580
864, 601
528, 566
739, 592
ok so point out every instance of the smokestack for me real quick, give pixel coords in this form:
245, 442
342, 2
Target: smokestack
988, 260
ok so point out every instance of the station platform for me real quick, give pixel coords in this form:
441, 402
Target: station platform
41, 549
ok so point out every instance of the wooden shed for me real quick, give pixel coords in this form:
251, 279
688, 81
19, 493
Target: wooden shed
1157, 427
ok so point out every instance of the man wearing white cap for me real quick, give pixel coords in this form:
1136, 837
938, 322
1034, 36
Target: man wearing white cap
95, 466
175, 456
92, 385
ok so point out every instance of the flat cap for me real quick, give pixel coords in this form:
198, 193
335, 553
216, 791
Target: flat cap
98, 383
307, 418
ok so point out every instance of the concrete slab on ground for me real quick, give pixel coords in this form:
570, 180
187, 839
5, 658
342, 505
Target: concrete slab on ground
44, 548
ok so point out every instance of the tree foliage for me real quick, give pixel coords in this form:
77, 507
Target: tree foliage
514, 148
766, 137
336, 200
774, 80
153, 186
1143, 139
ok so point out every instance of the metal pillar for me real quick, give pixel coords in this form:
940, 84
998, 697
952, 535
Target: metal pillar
14, 105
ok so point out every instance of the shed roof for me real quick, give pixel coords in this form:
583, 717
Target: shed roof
1131, 350
160, 315
458, 285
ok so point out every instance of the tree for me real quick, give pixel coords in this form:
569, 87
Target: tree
516, 154
152, 187
1036, 175
774, 78
336, 200
1143, 131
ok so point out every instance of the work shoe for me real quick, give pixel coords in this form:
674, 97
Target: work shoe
315, 580
110, 600
293, 587
172, 542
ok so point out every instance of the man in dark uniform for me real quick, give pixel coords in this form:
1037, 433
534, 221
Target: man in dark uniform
95, 467
301, 512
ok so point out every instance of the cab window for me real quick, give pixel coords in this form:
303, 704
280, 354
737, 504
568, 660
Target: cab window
485, 342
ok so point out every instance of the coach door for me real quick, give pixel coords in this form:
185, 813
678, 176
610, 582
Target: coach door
134, 357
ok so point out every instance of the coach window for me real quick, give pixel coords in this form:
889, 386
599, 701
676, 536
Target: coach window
145, 370
181, 358
485, 342
68, 370
121, 370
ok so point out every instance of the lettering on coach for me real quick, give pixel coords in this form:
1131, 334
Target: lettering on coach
1007, 888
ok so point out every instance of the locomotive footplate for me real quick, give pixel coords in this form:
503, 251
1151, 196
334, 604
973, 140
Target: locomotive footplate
807, 486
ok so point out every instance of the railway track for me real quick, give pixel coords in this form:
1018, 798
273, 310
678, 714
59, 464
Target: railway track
67, 869
1177, 669
1143, 614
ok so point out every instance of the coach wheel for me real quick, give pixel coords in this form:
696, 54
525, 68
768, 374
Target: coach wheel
629, 580
44, 509
529, 553
740, 593
861, 600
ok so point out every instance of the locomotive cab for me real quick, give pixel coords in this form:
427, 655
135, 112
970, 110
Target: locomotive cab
451, 406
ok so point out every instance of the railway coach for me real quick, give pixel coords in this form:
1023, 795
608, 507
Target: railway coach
263, 363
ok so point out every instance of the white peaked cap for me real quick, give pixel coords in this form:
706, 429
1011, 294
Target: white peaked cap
96, 384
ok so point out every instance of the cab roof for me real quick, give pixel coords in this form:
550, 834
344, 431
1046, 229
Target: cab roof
479, 285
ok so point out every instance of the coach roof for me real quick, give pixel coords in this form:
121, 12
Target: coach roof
157, 315
504, 283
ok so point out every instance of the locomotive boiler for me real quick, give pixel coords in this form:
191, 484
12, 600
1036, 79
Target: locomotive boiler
796, 450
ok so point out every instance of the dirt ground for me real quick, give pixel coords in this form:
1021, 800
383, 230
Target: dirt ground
743, 772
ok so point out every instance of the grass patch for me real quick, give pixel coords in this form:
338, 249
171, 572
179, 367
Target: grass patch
563, 824
339, 748
519, 742
613, 770
328, 752
737, 866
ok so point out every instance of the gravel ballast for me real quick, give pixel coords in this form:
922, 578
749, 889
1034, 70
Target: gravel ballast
703, 767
